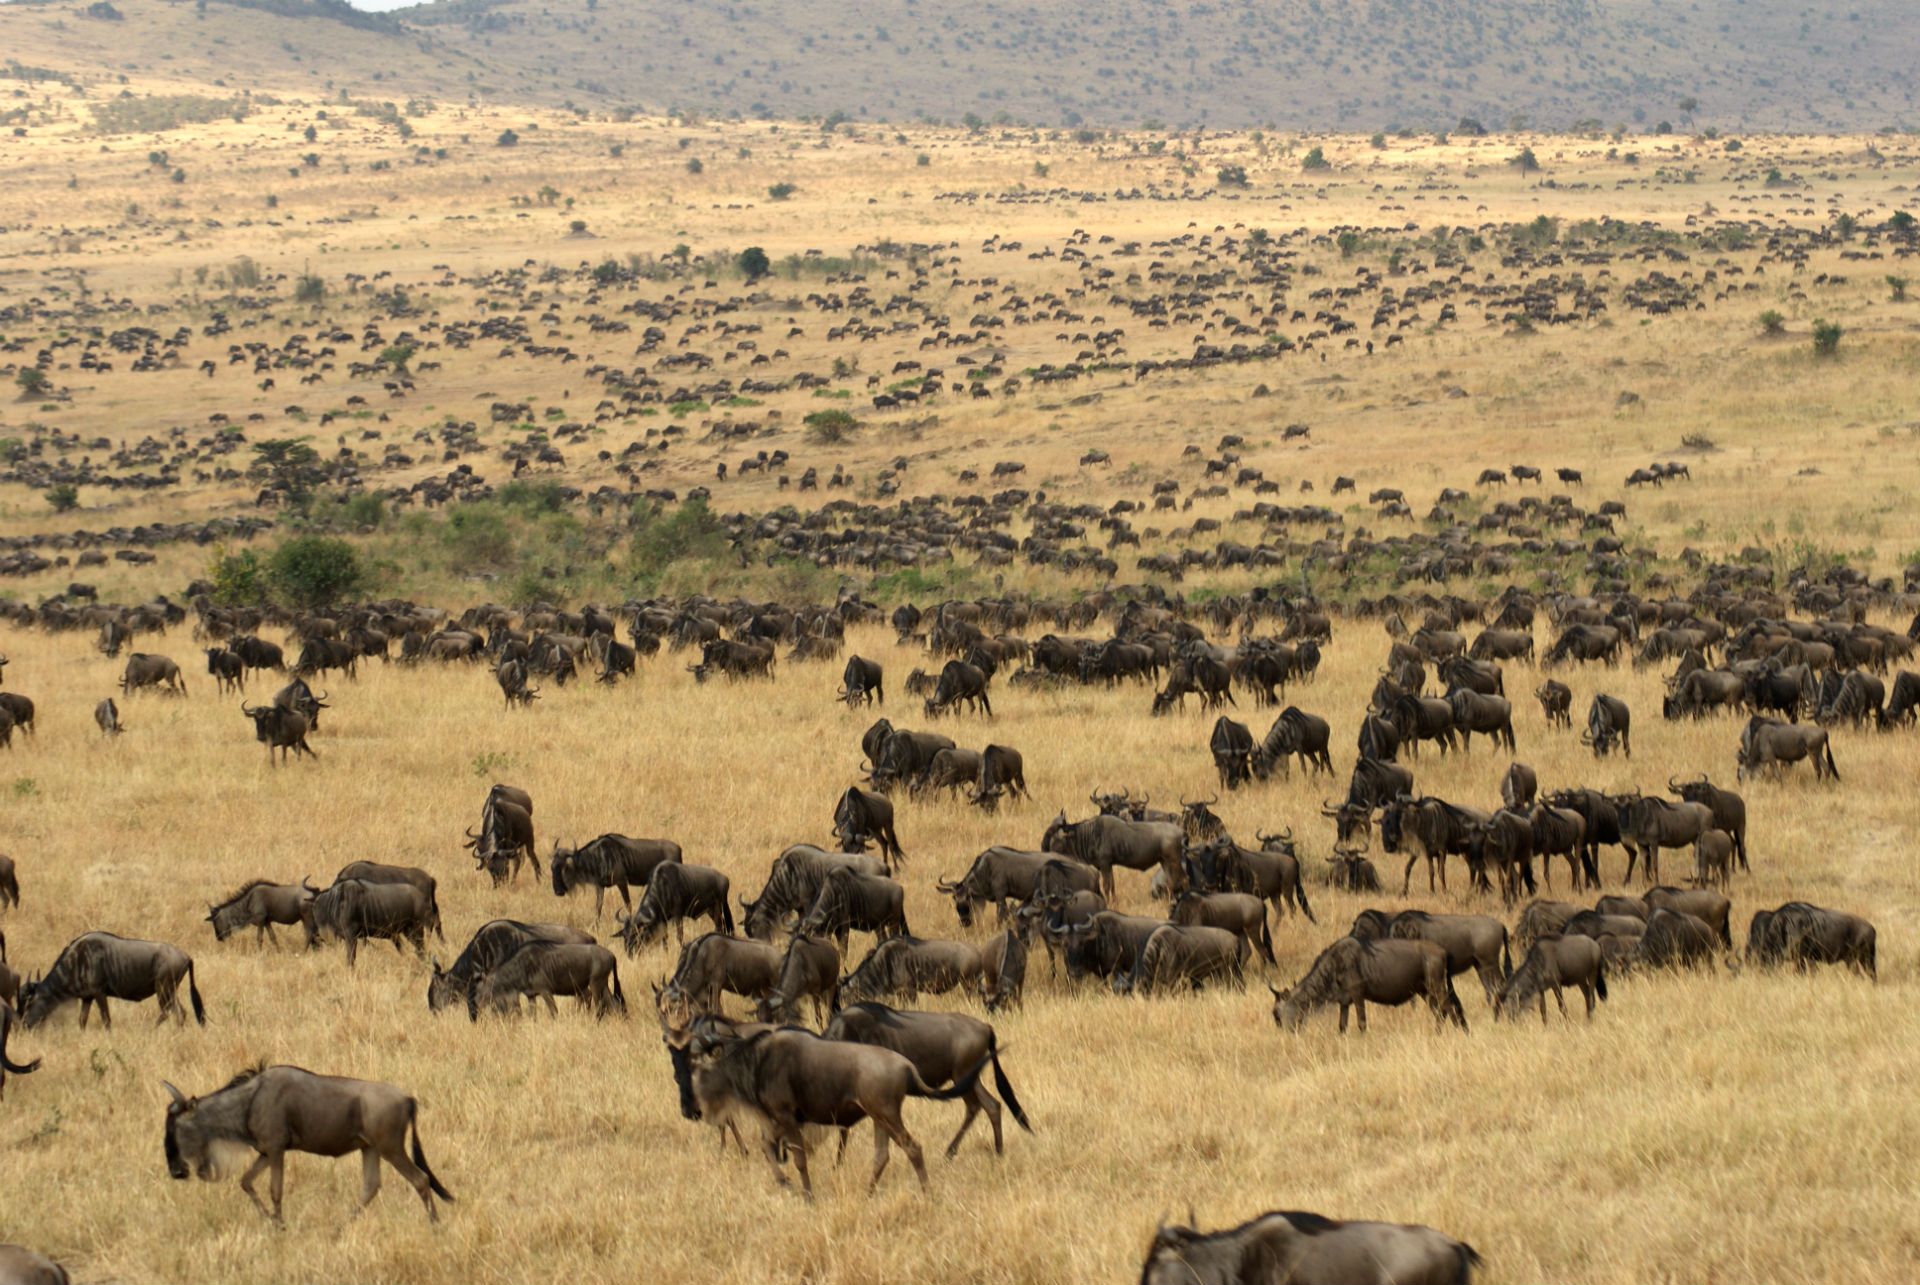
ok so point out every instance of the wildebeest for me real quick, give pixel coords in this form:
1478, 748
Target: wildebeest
1231, 744
277, 1109
899, 756
1729, 810
1291, 1248
352, 909
1185, 957
862, 682
1353, 973
1102, 944
229, 673
491, 944
676, 893
260, 905
715, 963
302, 700
942, 1047
9, 884
952, 769
1491, 716
1803, 934
610, 861
1519, 786
787, 1078
1560, 832
1710, 907
279, 729
1702, 691
1769, 743
1432, 829
96, 967
505, 836
1240, 913
144, 670
1295, 732
998, 877
1422, 718
810, 969
905, 965
862, 816
21, 1266
1651, 824
1104, 842
793, 883
1002, 771
848, 901
544, 969
1608, 722
1478, 942
1554, 961
1675, 939
376, 872
960, 683
106, 716
1270, 872
1556, 702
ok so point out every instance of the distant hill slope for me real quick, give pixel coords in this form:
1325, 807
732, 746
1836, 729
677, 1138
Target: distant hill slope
1345, 64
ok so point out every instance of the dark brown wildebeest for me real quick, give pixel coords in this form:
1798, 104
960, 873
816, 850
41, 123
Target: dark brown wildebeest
1003, 969
1713, 859
960, 683
862, 682
1231, 744
1242, 914
1803, 935
1422, 718
1296, 733
810, 969
18, 710
1608, 723
1002, 771
1539, 919
375, 872
1430, 828
1651, 824
1554, 961
353, 909
1104, 943
1556, 702
21, 1266
1560, 832
1704, 904
229, 673
1353, 973
998, 877
787, 1078
1703, 691
96, 967
1290, 1248
300, 698
941, 1046
1519, 786
610, 861
1491, 716
279, 729
676, 893
1104, 842
1599, 925
1270, 872
9, 883
1675, 939
862, 816
544, 969
715, 963
1185, 958
106, 716
260, 905
7, 1064
144, 670
794, 882
952, 769
277, 1109
1768, 743
849, 901
486, 950
1479, 942
505, 836
907, 966
1350, 871
1729, 810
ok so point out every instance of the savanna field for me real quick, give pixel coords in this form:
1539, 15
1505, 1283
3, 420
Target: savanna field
1040, 295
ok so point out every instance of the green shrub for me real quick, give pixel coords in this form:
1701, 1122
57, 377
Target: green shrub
1772, 323
1316, 159
781, 191
1231, 176
313, 571
310, 289
1826, 338
753, 263
830, 427
239, 580
476, 538
32, 381
662, 537
64, 497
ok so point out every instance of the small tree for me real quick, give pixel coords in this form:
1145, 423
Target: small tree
310, 288
1902, 224
694, 165
1526, 162
1378, 142
1231, 176
64, 497
33, 382
313, 571
830, 427
781, 191
1348, 241
1898, 285
1688, 106
753, 263
507, 139
396, 356
1844, 226
1316, 159
1772, 323
1826, 338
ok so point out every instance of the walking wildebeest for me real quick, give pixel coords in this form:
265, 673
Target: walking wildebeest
1556, 703
145, 671
676, 893
941, 1047
277, 1109
229, 672
96, 967
1104, 842
610, 861
1002, 771
260, 905
106, 715
1768, 743
1803, 934
848, 901
353, 909
810, 969
1554, 961
1240, 913
544, 969
793, 883
907, 966
1478, 942
998, 877
279, 729
491, 944
1353, 973
1290, 1248
715, 963
1651, 824
1295, 732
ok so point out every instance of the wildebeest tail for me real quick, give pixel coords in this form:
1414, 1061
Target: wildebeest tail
1300, 895
1506, 953
619, 996
726, 917
1466, 1258
1004, 1086
1600, 979
1832, 771
962, 1085
193, 993
420, 1157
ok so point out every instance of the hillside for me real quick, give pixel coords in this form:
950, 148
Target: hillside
1346, 64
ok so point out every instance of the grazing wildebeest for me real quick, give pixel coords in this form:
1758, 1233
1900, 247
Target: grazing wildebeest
1353, 973
941, 1046
810, 969
960, 683
1103, 943
1270, 872
715, 963
1675, 939
7, 1064
229, 673
1002, 771
353, 909
277, 1109
300, 698
1539, 919
1379, 738
1291, 1248
1478, 942
96, 967
998, 877
862, 682
1554, 961
1651, 824
544, 969
1729, 810
610, 861
787, 1078
1231, 744
793, 883
951, 769
1704, 904
1556, 702
1702, 691
1295, 732
144, 670
862, 816
260, 905
1491, 716
491, 944
1769, 743
1185, 958
1519, 786
849, 901
1003, 967
1240, 913
257, 653
900, 756
1803, 934
279, 729
1422, 718
106, 715
675, 893
907, 966
375, 872
1430, 828
1104, 842
1608, 721
506, 837
21, 1266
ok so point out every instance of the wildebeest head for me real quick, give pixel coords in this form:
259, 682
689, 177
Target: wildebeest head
189, 1148
564, 863
1198, 822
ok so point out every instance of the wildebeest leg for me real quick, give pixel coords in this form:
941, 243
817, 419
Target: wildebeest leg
246, 1184
353, 949
1489, 974
106, 1018
277, 1183
369, 1177
1360, 1013
797, 1146
1586, 992
907, 1144
1543, 1006
1343, 1019
553, 1009
973, 1109
85, 1007
1559, 997
1407, 882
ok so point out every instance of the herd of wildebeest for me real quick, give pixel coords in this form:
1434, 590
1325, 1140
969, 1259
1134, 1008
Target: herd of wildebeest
1794, 660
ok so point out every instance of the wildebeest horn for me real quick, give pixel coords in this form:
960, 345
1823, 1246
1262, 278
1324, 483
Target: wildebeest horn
945, 885
320, 700
178, 1096
1277, 992
1286, 835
